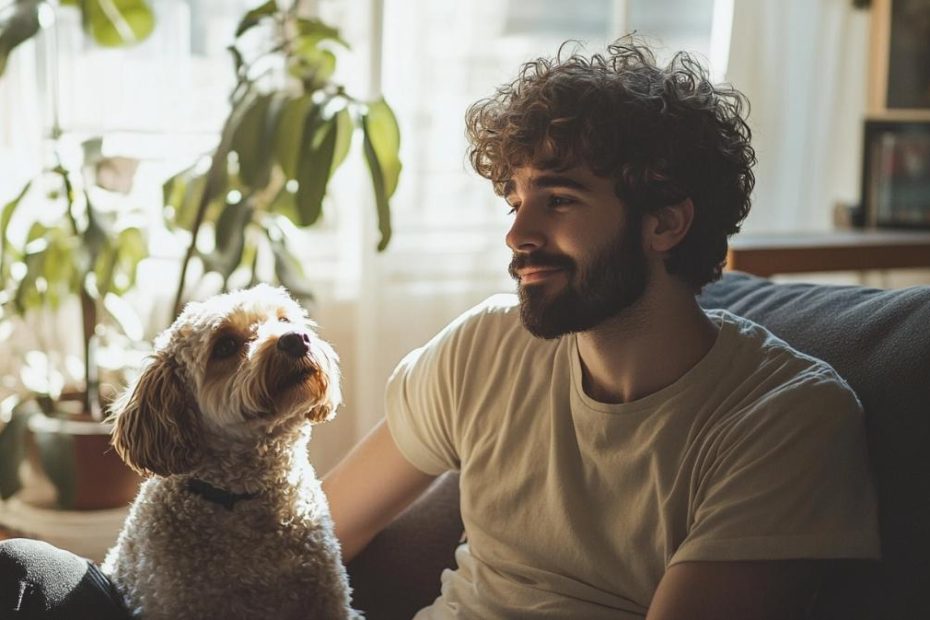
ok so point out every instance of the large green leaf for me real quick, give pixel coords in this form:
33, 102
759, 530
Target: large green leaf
345, 128
97, 235
311, 65
253, 138
116, 268
21, 25
183, 192
314, 31
289, 133
238, 60
382, 132
116, 23
176, 195
288, 270
131, 248
382, 145
255, 15
285, 204
230, 238
54, 261
217, 179
314, 168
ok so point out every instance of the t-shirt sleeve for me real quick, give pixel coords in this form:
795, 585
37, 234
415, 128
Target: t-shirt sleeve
421, 400
788, 480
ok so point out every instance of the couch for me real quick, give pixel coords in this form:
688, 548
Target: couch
878, 340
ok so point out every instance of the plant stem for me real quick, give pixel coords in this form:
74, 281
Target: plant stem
212, 187
90, 400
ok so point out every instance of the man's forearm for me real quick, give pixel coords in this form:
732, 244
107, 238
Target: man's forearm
370, 487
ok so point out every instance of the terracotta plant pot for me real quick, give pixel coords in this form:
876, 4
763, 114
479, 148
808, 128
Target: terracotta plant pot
75, 454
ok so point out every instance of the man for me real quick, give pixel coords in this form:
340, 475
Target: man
622, 452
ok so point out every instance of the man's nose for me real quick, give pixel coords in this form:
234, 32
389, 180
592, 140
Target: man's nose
525, 234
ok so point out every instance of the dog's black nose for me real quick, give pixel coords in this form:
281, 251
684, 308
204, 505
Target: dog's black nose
294, 344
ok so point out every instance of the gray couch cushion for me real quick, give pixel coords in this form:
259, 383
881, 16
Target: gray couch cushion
398, 572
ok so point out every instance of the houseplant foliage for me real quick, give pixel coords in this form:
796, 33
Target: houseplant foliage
290, 127
77, 258
80, 257
109, 23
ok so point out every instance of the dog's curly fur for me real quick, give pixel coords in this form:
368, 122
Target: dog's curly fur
228, 400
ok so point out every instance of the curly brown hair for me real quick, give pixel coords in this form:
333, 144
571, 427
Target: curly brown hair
663, 134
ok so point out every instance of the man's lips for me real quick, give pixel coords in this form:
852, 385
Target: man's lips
531, 275
537, 267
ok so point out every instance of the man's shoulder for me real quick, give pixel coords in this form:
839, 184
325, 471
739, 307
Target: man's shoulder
496, 314
489, 328
781, 379
753, 340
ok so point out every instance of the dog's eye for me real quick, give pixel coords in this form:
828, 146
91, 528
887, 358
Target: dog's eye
224, 347
284, 319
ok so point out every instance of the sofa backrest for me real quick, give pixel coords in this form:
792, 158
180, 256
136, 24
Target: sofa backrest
879, 341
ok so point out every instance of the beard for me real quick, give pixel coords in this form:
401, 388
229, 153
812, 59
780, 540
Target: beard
602, 288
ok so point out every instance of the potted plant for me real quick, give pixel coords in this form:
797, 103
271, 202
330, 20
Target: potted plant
76, 258
289, 128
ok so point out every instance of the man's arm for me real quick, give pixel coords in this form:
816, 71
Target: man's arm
766, 590
370, 487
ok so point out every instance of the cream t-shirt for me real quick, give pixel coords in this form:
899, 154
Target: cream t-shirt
575, 508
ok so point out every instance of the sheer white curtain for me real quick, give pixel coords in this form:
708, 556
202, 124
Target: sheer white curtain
803, 66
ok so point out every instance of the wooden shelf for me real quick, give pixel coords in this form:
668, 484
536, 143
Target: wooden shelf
847, 250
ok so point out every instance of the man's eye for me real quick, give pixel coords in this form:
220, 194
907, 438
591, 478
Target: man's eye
560, 201
225, 347
513, 207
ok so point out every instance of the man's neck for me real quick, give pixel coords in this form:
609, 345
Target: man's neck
648, 347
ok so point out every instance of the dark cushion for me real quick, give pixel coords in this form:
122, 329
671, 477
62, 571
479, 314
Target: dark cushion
398, 572
878, 340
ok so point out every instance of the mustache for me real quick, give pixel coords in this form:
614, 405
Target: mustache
538, 259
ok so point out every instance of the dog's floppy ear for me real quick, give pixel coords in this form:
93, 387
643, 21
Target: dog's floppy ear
329, 384
157, 426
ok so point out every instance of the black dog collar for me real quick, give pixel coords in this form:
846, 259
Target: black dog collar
218, 496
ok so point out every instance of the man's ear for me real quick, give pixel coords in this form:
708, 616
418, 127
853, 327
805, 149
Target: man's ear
666, 227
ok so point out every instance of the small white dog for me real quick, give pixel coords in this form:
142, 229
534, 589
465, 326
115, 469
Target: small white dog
232, 522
